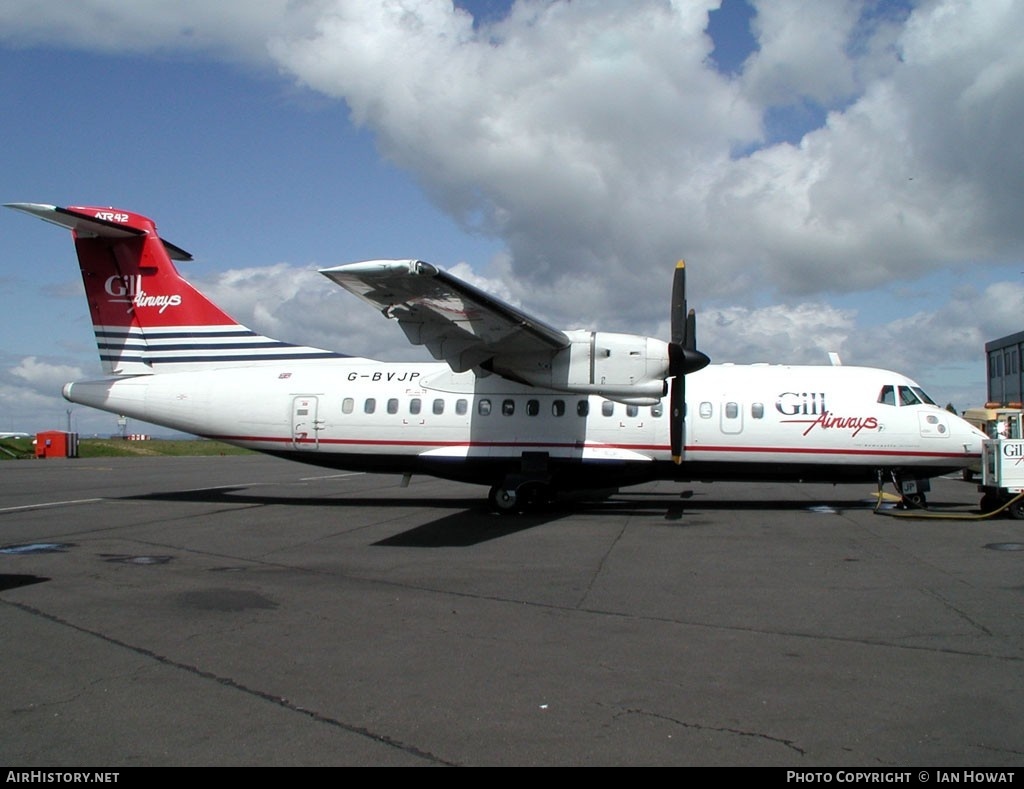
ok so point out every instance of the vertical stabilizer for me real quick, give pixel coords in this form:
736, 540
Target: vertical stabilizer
146, 316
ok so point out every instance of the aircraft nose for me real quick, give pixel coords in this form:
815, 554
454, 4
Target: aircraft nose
969, 436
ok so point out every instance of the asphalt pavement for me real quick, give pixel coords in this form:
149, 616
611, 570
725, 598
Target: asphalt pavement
252, 611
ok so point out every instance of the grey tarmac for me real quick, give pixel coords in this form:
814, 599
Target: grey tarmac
252, 611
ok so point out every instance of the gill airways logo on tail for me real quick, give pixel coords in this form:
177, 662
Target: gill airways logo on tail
128, 290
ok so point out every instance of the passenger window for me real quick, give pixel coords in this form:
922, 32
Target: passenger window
757, 410
508, 407
438, 406
347, 405
657, 410
370, 405
887, 396
607, 408
484, 407
632, 410
532, 407
583, 408
415, 405
705, 410
393, 405
558, 407
732, 410
461, 406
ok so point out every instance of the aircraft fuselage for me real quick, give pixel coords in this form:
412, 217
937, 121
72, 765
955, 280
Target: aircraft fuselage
743, 422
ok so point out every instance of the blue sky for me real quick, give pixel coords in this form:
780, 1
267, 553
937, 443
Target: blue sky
843, 176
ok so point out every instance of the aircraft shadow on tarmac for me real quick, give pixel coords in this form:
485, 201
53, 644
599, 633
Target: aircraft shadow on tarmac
472, 523
16, 581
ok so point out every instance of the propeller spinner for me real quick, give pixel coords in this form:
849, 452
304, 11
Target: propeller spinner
683, 358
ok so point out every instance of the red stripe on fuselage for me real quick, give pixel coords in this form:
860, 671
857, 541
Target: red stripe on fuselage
570, 445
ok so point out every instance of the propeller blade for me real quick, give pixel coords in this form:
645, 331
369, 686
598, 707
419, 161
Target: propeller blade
683, 358
676, 417
678, 316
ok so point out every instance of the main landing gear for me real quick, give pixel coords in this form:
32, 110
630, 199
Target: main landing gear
527, 488
513, 496
502, 499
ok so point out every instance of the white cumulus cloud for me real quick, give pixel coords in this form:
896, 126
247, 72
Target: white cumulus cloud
600, 143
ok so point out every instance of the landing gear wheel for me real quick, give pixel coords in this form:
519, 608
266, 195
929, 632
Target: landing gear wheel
533, 495
503, 500
914, 501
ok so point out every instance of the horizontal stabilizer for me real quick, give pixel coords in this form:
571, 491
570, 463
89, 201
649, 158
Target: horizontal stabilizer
91, 226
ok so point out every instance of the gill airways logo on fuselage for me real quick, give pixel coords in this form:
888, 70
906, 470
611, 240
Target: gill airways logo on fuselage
812, 404
128, 290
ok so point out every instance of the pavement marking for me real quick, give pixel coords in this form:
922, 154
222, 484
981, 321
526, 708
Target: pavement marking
45, 504
334, 476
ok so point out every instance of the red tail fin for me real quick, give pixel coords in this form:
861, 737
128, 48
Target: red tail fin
129, 279
146, 316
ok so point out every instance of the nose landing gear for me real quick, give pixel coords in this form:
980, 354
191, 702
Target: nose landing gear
912, 491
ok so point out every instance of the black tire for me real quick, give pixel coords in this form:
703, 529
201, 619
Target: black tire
503, 500
915, 501
533, 495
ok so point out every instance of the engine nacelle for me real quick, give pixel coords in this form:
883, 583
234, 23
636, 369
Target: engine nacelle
628, 368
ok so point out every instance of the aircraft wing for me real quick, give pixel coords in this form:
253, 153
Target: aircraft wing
455, 321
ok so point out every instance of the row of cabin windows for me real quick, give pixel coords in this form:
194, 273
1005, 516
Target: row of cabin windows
507, 407
485, 407
730, 410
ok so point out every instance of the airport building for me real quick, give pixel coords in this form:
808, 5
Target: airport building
1003, 357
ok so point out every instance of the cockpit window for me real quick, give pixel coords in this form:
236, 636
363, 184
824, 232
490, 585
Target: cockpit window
907, 396
887, 396
924, 398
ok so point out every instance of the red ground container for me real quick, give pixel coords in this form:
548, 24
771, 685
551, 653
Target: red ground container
56, 444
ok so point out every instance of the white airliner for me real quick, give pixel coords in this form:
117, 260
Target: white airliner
517, 405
